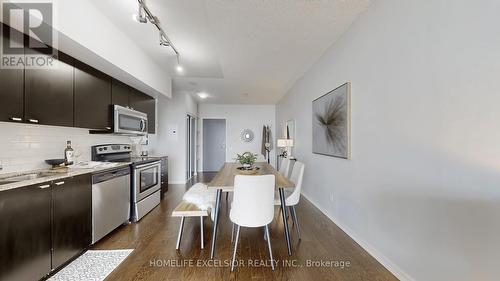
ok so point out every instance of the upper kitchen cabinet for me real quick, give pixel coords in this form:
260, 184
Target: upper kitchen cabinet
49, 93
11, 82
92, 98
146, 104
119, 93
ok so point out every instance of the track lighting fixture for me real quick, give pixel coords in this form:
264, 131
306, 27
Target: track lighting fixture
144, 16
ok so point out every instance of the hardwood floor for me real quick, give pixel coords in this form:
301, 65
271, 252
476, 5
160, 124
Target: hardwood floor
155, 258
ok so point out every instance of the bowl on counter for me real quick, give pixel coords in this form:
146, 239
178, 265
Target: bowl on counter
54, 162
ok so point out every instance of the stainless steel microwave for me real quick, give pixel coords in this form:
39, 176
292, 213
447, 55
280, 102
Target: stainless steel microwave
129, 122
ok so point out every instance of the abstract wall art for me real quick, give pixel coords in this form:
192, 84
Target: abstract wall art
331, 123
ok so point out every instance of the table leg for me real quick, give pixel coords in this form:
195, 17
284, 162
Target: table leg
285, 220
216, 222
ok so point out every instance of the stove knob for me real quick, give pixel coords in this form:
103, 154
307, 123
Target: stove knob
100, 149
105, 148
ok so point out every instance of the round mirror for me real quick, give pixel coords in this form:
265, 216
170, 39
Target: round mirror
247, 135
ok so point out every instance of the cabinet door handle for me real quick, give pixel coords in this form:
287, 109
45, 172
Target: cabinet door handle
33, 120
44, 186
59, 183
16, 119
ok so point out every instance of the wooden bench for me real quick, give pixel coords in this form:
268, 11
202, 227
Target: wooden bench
186, 209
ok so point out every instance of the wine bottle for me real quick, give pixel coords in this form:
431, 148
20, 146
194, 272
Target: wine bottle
68, 154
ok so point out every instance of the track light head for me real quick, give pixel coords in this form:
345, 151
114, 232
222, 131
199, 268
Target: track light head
179, 69
140, 17
164, 42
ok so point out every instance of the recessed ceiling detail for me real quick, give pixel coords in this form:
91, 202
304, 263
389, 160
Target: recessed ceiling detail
231, 47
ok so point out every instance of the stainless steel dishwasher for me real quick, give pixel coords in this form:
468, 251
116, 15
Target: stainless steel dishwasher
110, 201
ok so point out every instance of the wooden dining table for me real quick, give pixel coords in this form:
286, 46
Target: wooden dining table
224, 181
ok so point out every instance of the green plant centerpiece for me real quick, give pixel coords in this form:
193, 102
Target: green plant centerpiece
247, 159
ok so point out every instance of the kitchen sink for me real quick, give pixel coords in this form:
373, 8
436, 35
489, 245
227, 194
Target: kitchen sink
25, 177
2, 182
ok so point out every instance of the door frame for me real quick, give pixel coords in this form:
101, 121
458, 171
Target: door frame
194, 169
202, 141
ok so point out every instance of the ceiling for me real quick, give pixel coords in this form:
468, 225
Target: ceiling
237, 51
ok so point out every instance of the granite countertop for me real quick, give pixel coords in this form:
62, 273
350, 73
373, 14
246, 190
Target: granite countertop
71, 172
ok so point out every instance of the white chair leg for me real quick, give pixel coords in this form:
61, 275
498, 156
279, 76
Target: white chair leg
179, 236
201, 233
269, 246
296, 221
235, 247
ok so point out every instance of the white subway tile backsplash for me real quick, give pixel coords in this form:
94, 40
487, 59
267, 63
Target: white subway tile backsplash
25, 147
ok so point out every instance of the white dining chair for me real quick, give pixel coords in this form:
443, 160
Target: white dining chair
252, 206
292, 199
285, 167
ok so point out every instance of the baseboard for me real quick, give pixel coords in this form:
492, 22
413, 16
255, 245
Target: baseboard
388, 264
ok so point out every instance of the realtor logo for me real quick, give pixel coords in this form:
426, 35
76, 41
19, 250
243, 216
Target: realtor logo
28, 39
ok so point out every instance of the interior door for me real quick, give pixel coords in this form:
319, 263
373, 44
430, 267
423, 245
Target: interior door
214, 144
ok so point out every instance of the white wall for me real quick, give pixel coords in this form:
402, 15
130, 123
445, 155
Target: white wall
24, 147
421, 192
172, 116
238, 118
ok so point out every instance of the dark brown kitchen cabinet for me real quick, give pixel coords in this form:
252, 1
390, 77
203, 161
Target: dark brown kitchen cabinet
164, 175
146, 104
72, 218
92, 98
11, 82
49, 93
25, 232
119, 93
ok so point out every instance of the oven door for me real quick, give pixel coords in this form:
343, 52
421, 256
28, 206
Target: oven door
128, 121
147, 179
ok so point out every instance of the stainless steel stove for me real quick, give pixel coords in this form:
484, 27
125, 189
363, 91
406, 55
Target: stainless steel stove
146, 176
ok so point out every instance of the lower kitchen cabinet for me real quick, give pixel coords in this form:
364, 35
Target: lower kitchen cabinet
164, 176
25, 232
43, 226
72, 218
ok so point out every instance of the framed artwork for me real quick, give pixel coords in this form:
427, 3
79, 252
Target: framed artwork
332, 123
